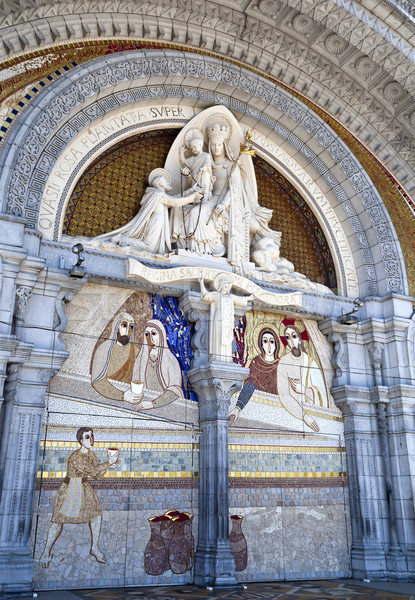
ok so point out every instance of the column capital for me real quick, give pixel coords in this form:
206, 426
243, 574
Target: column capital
214, 384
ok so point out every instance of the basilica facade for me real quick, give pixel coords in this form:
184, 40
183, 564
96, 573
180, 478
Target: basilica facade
206, 292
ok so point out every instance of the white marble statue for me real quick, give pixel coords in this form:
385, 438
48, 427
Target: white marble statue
197, 166
222, 316
204, 205
149, 230
228, 221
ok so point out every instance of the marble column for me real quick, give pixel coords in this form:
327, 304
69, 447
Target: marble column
214, 383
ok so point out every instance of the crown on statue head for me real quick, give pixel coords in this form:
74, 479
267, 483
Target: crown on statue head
218, 128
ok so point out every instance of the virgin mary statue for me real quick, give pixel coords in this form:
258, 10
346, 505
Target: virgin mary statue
230, 219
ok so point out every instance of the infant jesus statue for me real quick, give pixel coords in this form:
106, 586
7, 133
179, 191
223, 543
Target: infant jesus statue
198, 165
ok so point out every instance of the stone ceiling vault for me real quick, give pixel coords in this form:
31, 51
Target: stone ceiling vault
355, 61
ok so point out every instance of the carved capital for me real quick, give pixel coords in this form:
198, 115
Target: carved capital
23, 293
375, 350
214, 385
225, 388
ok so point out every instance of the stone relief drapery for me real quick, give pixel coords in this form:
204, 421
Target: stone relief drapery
204, 203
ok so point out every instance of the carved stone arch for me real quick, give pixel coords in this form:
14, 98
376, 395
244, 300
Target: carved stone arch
69, 107
280, 38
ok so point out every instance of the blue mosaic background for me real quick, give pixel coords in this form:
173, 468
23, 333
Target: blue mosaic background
179, 333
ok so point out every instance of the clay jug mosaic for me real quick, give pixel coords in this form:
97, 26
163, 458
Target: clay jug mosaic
179, 549
237, 542
190, 540
155, 553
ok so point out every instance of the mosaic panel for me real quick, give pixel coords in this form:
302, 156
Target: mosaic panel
290, 376
128, 349
108, 195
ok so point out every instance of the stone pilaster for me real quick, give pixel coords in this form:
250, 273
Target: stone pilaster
396, 562
31, 306
214, 384
365, 482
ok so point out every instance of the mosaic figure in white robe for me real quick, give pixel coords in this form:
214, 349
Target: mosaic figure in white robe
300, 380
156, 370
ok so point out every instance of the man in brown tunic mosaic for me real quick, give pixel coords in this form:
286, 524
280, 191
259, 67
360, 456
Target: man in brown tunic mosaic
76, 500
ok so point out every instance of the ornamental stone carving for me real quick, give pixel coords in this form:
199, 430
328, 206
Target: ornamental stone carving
375, 350
25, 192
366, 67
204, 205
394, 92
269, 7
339, 360
335, 44
23, 294
303, 23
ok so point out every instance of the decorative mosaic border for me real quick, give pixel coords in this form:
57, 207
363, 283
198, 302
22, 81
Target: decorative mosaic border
177, 475
20, 106
195, 446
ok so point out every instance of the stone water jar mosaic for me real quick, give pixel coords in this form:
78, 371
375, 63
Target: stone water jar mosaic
171, 543
156, 552
237, 542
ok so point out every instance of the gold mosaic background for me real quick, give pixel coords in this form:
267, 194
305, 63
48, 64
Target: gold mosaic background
108, 195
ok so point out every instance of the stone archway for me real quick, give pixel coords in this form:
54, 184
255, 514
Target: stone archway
349, 189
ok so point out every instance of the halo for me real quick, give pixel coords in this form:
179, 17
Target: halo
258, 328
225, 127
159, 173
298, 324
221, 277
193, 134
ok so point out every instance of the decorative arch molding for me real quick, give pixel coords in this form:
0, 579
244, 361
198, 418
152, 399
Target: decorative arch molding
347, 18
283, 38
86, 147
69, 106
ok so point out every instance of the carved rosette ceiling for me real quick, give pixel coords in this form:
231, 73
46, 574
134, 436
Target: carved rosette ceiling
68, 107
308, 45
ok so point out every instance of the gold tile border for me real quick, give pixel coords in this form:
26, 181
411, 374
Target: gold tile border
124, 445
189, 474
285, 449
